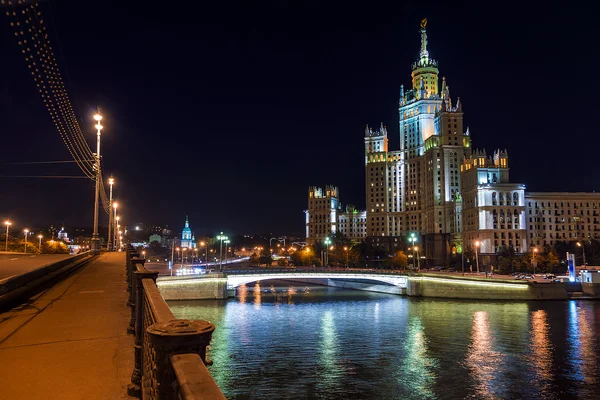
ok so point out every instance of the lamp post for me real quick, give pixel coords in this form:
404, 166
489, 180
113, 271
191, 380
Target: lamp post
346, 249
7, 223
26, 232
115, 220
95, 238
412, 239
226, 241
40, 237
476, 255
182, 252
117, 229
179, 251
580, 244
172, 258
111, 181
416, 249
534, 261
202, 244
220, 238
327, 243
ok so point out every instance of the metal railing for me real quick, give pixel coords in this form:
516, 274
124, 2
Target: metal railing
169, 353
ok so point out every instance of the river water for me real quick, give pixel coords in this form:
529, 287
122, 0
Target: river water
328, 343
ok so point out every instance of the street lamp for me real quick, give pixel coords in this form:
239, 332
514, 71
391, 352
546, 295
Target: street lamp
412, 239
220, 238
580, 244
534, 261
346, 249
476, 255
26, 232
7, 223
182, 250
40, 237
115, 220
416, 249
327, 243
202, 244
111, 181
95, 238
226, 241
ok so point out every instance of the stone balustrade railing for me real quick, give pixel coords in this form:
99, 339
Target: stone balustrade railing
170, 353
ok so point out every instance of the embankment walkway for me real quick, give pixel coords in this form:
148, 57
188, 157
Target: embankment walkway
70, 341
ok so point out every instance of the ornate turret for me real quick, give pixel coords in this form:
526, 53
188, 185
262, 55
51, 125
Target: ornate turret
425, 68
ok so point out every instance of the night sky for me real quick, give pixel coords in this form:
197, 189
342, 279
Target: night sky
229, 112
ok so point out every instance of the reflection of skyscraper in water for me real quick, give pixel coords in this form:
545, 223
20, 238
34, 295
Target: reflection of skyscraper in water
541, 353
483, 360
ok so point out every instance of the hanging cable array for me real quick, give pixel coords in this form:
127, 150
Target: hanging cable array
25, 17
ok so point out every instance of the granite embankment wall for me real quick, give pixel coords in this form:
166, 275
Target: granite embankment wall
196, 288
437, 286
483, 289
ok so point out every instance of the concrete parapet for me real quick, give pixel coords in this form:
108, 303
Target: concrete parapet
193, 288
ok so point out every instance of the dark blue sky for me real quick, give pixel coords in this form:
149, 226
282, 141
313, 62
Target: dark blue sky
229, 112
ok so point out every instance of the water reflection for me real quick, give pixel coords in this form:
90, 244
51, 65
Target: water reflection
417, 373
242, 293
330, 371
339, 344
541, 352
583, 354
484, 362
257, 295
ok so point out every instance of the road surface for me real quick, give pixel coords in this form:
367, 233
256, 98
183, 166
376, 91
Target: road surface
15, 264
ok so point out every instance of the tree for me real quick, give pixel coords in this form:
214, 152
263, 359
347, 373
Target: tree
399, 260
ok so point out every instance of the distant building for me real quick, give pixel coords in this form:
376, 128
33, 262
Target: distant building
155, 238
187, 237
324, 216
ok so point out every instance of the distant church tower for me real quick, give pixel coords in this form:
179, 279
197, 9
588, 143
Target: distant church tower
187, 237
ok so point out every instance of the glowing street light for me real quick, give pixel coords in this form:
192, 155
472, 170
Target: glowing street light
26, 232
327, 243
203, 244
40, 237
412, 239
7, 223
115, 219
109, 244
477, 243
580, 244
95, 237
221, 238
346, 250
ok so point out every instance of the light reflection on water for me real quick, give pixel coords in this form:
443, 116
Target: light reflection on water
326, 343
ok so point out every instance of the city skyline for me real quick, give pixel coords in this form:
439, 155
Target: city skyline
283, 110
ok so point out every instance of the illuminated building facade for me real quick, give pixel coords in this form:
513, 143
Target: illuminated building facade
325, 216
562, 217
492, 208
187, 237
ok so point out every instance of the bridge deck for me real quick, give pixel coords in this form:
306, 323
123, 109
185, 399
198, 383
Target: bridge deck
71, 341
18, 263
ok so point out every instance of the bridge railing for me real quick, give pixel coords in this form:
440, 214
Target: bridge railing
169, 353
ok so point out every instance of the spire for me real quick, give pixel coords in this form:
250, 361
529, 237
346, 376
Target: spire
424, 53
458, 105
187, 222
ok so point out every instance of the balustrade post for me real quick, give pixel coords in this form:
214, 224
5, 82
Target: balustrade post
136, 378
132, 296
170, 338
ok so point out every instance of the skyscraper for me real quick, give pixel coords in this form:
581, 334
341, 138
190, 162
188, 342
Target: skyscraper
415, 189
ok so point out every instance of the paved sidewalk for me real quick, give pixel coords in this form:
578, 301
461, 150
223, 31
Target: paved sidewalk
71, 341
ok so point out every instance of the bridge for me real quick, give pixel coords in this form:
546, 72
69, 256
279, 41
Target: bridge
237, 278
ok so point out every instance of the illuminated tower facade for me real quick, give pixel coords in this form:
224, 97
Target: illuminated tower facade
187, 237
415, 189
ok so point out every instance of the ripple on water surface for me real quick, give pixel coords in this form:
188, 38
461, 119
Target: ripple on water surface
292, 342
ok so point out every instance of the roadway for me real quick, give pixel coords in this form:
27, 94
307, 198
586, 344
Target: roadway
15, 264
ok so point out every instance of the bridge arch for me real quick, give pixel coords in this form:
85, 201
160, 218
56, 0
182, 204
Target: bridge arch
235, 280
